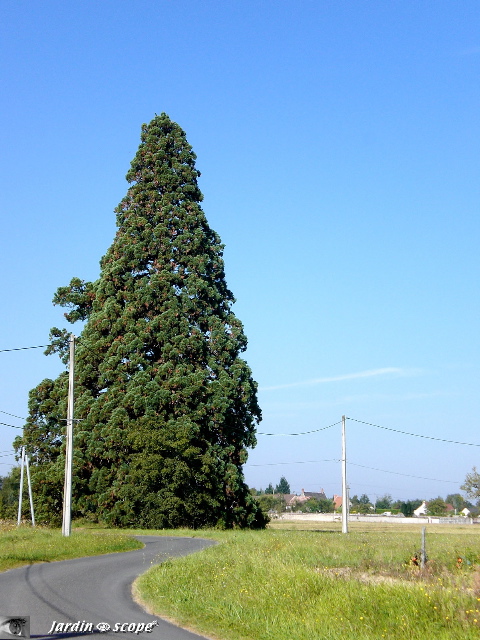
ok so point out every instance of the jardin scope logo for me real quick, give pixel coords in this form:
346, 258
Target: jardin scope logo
82, 626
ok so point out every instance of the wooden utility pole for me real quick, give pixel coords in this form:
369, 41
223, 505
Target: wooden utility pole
67, 489
345, 505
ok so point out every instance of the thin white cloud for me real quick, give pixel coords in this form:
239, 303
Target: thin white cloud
370, 373
391, 397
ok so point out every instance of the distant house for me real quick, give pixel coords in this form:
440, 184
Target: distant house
338, 501
292, 499
320, 495
421, 510
465, 512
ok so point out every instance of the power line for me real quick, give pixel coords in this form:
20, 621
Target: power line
10, 425
12, 414
407, 475
397, 473
274, 464
302, 433
416, 435
378, 426
38, 346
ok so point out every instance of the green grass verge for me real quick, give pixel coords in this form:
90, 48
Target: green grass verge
27, 545
319, 584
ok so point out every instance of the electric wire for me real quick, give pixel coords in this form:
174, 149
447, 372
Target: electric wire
12, 414
415, 435
274, 464
10, 425
38, 346
360, 465
397, 473
302, 433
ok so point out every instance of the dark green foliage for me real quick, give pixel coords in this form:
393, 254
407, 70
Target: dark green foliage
282, 486
269, 489
317, 505
437, 507
362, 504
43, 438
9, 490
408, 507
457, 501
269, 502
384, 503
168, 407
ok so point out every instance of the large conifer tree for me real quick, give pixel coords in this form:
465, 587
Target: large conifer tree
168, 407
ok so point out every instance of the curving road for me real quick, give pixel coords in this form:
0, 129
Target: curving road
92, 590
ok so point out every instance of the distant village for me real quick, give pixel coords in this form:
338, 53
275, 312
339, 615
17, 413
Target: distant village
279, 499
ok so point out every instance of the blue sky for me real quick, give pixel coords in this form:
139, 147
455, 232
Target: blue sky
338, 144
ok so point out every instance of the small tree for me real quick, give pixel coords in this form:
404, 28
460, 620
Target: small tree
437, 507
269, 489
269, 502
407, 508
283, 486
364, 508
472, 484
318, 505
384, 502
457, 501
362, 504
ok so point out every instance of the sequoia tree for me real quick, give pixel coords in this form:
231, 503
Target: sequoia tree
166, 406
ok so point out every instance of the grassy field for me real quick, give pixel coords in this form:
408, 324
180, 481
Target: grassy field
296, 581
26, 545
292, 584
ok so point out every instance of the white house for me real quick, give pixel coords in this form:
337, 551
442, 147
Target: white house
421, 510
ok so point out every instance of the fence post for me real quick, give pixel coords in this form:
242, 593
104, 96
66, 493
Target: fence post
423, 553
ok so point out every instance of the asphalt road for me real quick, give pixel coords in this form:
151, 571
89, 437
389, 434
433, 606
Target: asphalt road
92, 590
